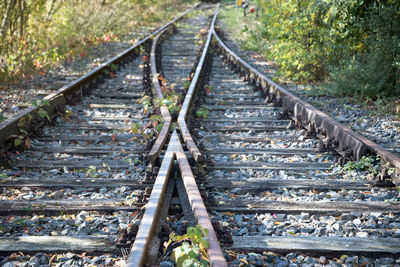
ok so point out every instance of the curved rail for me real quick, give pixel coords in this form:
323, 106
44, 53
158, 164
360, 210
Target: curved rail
141, 245
56, 101
308, 114
163, 135
191, 145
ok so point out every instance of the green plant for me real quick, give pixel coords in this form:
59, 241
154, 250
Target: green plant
2, 117
352, 46
21, 222
41, 112
193, 248
222, 102
364, 164
368, 166
146, 102
92, 172
170, 100
202, 112
107, 166
186, 84
36, 35
135, 128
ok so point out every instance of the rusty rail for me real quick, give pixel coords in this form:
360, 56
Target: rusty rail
149, 221
347, 139
163, 136
191, 145
57, 100
216, 257
147, 227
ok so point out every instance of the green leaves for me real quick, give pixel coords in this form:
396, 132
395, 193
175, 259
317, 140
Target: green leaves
18, 141
202, 112
135, 127
146, 102
365, 163
350, 44
193, 250
43, 114
92, 172
2, 117
185, 255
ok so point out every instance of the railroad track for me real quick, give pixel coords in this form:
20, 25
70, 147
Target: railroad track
241, 157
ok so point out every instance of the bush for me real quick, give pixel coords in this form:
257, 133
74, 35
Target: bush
39, 34
352, 44
369, 67
296, 31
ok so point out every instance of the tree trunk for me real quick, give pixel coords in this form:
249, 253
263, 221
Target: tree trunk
3, 29
51, 11
21, 18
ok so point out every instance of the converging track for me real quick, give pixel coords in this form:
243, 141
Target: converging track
179, 131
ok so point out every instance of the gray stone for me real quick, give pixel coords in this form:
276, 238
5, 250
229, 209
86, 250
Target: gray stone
384, 261
62, 259
305, 216
258, 263
243, 231
281, 263
396, 234
336, 226
8, 264
349, 260
348, 217
72, 256
43, 258
362, 234
34, 261
64, 232
307, 230
238, 219
280, 217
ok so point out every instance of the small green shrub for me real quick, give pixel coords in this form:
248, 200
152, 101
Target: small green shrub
202, 112
193, 248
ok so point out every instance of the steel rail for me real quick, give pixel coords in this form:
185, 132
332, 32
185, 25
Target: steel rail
215, 255
309, 115
153, 207
57, 100
163, 135
191, 145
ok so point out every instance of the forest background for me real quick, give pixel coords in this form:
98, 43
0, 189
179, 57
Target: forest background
351, 47
35, 35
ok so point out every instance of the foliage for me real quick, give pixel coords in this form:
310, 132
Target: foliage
353, 46
157, 122
202, 112
365, 163
248, 34
193, 250
365, 62
92, 172
2, 117
170, 100
37, 34
146, 102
